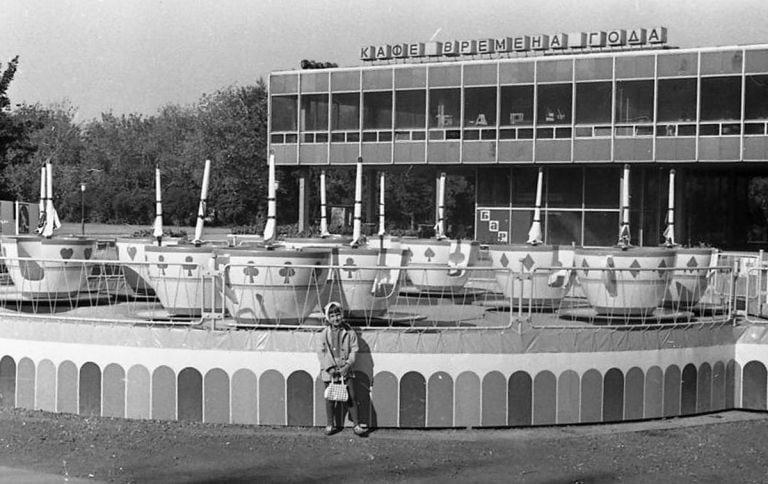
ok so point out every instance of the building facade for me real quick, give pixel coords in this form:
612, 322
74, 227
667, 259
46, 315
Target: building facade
580, 115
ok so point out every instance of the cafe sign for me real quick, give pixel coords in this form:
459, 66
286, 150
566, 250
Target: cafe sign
645, 37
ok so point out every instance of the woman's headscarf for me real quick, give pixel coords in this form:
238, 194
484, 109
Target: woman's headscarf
333, 305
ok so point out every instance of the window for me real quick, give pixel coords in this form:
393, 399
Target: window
676, 100
600, 228
444, 108
480, 107
563, 228
634, 101
493, 187
756, 103
601, 187
314, 112
284, 113
564, 188
345, 111
554, 104
516, 105
410, 107
377, 110
720, 98
593, 103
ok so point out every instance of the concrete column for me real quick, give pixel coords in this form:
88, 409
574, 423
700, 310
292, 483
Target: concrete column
304, 222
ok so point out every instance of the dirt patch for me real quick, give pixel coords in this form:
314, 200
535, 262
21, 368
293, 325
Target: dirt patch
726, 447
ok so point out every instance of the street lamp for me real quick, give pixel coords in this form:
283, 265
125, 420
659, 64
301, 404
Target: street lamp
88, 172
82, 208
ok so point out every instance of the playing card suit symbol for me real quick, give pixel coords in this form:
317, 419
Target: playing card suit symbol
66, 253
429, 254
348, 267
287, 272
189, 267
250, 271
87, 253
162, 267
132, 252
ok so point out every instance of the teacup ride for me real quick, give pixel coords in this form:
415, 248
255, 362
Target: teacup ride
43, 267
272, 286
48, 269
692, 265
184, 276
365, 281
133, 260
532, 275
691, 277
439, 265
183, 279
624, 282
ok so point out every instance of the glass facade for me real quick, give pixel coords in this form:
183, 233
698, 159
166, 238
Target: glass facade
663, 96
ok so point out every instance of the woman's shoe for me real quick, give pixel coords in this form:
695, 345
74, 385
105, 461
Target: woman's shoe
330, 430
358, 430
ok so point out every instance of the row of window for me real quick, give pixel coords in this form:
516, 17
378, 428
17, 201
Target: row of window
623, 131
634, 102
662, 64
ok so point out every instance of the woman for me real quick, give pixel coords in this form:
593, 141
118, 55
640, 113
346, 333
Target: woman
337, 351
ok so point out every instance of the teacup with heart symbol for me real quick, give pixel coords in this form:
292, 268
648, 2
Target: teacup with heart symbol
42, 268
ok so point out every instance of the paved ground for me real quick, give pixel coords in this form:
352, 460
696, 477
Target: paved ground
35, 446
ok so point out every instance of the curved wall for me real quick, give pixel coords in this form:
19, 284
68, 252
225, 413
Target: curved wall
270, 378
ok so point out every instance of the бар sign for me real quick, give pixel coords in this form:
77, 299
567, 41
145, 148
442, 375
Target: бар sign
653, 36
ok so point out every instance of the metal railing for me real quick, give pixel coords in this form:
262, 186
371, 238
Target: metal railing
412, 298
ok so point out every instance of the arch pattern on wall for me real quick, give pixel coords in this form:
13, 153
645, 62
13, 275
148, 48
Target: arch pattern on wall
412, 400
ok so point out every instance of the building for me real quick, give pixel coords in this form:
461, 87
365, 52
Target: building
579, 105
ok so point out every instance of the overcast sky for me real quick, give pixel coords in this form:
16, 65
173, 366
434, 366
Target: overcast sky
134, 56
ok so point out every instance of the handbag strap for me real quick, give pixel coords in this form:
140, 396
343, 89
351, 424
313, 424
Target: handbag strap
330, 350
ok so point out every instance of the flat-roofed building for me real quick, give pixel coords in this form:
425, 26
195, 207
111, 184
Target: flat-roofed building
580, 114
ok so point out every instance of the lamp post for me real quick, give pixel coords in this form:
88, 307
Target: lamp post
82, 208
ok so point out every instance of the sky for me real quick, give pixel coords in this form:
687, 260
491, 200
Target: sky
135, 56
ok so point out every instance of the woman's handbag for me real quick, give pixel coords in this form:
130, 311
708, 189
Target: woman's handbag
336, 391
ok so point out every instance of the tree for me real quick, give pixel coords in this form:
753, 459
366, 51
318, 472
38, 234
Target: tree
11, 132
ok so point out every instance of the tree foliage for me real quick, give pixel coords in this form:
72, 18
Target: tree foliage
115, 158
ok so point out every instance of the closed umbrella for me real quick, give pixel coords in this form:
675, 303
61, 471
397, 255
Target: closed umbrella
201, 209
270, 228
381, 204
41, 221
323, 209
158, 228
534, 234
52, 221
624, 237
440, 225
669, 232
357, 222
